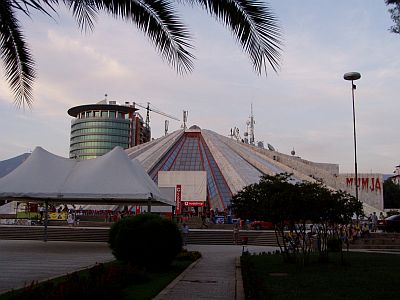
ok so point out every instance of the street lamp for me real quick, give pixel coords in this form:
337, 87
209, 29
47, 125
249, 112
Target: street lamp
354, 76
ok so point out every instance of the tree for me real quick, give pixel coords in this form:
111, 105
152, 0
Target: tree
251, 21
395, 15
291, 206
391, 194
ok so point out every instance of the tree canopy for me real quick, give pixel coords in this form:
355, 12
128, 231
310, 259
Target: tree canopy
391, 194
276, 199
291, 206
251, 21
395, 14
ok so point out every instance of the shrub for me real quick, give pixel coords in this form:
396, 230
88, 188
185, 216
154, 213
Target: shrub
148, 241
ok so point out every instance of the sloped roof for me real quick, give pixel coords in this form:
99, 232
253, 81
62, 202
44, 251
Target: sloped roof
109, 179
8, 165
239, 163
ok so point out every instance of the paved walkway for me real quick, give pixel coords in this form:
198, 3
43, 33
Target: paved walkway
22, 262
212, 277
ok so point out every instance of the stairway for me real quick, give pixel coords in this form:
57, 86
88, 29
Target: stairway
378, 241
100, 234
54, 233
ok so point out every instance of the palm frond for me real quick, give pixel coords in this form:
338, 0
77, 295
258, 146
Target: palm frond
40, 5
84, 11
159, 21
18, 62
255, 27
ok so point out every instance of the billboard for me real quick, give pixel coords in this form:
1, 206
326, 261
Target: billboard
190, 186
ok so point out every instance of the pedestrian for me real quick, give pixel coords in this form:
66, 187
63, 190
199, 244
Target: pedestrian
374, 221
236, 234
70, 220
185, 233
203, 220
41, 212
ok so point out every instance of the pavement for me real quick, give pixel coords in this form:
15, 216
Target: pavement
22, 262
215, 276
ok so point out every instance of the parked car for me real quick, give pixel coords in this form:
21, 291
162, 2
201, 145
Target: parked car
261, 225
390, 224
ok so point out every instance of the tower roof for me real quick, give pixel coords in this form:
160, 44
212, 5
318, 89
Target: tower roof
76, 110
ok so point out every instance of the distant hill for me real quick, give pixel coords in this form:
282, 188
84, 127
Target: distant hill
8, 165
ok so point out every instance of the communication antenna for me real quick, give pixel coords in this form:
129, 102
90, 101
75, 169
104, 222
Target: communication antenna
166, 126
252, 122
185, 116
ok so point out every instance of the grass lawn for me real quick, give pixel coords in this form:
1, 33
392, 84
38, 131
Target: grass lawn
363, 276
112, 280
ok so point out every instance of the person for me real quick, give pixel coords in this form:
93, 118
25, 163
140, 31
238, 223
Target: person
203, 220
236, 234
381, 216
374, 222
70, 220
365, 231
41, 211
185, 233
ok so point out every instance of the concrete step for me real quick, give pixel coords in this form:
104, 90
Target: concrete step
196, 236
100, 234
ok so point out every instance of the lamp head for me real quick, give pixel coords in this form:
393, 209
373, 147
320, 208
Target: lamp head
352, 76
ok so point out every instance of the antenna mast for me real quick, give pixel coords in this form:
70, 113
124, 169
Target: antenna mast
166, 126
185, 115
148, 115
252, 122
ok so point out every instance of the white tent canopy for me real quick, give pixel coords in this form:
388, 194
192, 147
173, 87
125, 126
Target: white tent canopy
110, 179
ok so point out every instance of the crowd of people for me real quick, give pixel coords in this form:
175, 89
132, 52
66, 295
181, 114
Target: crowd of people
348, 233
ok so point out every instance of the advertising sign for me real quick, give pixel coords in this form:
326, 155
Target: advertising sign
178, 198
194, 203
57, 216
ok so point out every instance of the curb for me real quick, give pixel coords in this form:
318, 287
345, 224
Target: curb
171, 286
239, 290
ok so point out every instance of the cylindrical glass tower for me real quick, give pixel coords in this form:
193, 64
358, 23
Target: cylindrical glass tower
98, 128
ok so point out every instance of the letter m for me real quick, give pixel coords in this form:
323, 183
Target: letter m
364, 183
349, 181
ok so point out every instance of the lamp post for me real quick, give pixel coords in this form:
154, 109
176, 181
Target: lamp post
352, 76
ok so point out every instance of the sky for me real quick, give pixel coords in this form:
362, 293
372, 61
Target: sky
306, 106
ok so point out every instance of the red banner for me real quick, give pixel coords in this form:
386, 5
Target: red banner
178, 198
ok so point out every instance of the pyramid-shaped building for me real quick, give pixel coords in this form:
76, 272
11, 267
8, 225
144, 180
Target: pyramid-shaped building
228, 165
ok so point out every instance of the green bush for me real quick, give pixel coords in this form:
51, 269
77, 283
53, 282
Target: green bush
148, 241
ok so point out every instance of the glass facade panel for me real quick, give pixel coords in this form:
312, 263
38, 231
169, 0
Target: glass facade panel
191, 153
98, 133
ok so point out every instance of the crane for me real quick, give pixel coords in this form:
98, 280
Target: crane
149, 109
